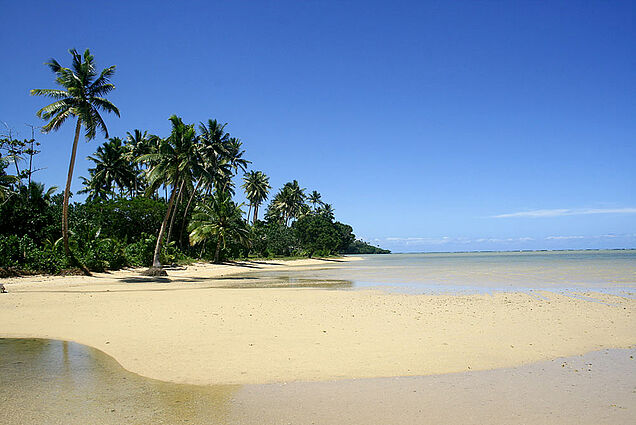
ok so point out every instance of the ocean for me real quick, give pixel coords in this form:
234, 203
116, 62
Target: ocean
610, 271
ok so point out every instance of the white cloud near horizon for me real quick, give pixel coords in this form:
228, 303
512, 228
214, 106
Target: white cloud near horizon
421, 241
564, 212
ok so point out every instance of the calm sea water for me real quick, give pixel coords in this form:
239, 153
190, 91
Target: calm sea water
606, 271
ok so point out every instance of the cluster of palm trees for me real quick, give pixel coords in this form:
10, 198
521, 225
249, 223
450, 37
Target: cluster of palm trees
190, 165
256, 185
193, 164
115, 171
291, 203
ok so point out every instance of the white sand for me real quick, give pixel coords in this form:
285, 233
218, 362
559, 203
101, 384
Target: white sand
186, 331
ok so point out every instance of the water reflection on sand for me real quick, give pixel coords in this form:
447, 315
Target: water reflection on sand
56, 382
48, 381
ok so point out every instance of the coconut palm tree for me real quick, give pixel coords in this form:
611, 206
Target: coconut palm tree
212, 169
81, 96
112, 167
94, 189
327, 211
289, 201
235, 155
138, 144
173, 164
315, 199
218, 217
256, 185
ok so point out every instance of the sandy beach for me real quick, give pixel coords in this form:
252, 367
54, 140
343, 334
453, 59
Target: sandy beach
190, 329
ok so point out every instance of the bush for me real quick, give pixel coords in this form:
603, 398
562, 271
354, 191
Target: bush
139, 254
170, 254
47, 259
9, 251
101, 254
277, 240
30, 212
121, 219
319, 235
24, 254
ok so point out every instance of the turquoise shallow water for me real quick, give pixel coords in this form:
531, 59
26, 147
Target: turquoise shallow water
563, 271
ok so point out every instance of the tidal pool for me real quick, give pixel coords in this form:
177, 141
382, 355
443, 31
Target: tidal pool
58, 382
55, 382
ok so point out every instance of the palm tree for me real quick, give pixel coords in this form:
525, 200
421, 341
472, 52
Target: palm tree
221, 218
289, 201
235, 155
138, 144
315, 199
37, 193
173, 164
327, 211
256, 190
94, 188
82, 97
112, 166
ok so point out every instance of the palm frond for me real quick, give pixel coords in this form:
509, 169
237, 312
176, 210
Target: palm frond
54, 93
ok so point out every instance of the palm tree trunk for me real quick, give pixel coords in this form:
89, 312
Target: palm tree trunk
187, 208
162, 230
218, 250
67, 195
249, 212
255, 214
175, 210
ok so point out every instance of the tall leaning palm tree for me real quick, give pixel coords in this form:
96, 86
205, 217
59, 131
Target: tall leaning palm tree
173, 164
81, 96
256, 185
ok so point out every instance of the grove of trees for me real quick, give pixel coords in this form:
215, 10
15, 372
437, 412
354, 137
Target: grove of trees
150, 200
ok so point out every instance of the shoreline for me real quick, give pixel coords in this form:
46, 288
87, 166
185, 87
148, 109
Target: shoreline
176, 274
186, 328
543, 392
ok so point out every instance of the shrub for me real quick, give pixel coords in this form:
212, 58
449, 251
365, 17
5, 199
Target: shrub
139, 254
9, 251
121, 219
103, 253
24, 254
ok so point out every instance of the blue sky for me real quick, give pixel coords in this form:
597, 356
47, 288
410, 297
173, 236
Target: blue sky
430, 126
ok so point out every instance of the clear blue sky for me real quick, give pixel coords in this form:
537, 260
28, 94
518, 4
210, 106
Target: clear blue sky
421, 122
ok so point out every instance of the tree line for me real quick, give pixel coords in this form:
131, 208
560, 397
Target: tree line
150, 200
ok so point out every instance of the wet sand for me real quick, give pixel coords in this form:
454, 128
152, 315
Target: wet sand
52, 382
191, 329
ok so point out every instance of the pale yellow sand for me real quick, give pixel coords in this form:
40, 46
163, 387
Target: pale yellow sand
189, 331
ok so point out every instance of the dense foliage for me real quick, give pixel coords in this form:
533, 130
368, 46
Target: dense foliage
150, 200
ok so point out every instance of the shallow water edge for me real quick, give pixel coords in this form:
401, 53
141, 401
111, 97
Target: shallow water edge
49, 381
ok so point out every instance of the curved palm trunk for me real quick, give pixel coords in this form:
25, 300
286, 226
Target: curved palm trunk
187, 208
162, 230
67, 195
175, 210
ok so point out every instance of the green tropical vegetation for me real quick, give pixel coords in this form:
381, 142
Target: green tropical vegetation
150, 200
